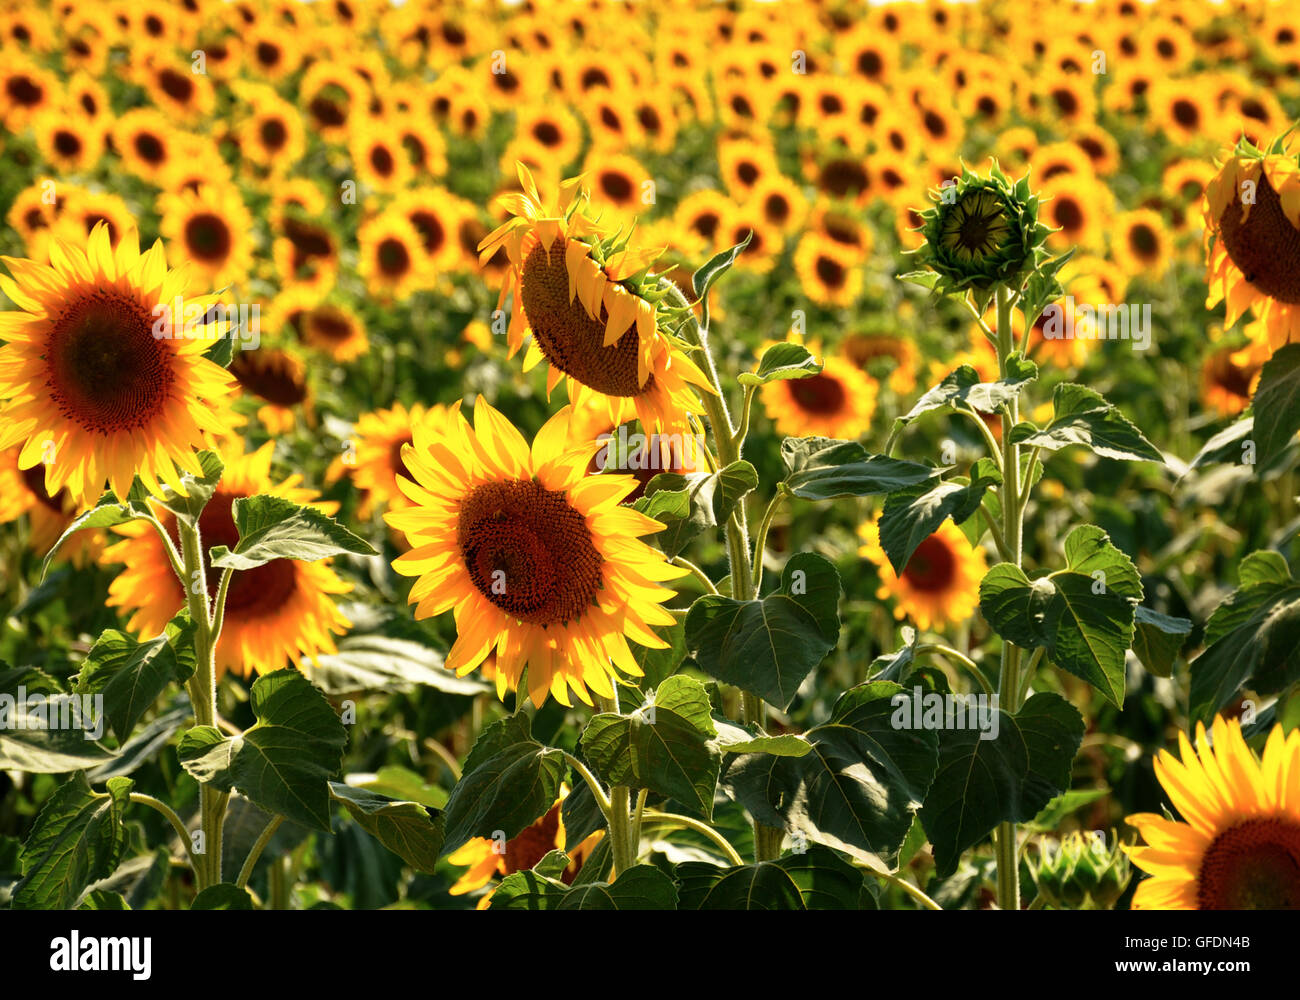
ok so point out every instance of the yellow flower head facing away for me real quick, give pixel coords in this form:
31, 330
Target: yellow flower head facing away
591, 307
536, 558
1238, 846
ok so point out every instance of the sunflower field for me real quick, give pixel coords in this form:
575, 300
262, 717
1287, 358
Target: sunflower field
671, 455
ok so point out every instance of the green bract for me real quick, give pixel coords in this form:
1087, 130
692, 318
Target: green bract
982, 232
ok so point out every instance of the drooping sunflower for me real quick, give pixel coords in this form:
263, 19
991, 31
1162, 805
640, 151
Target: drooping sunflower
275, 613
593, 310
536, 558
1252, 222
838, 402
83, 375
940, 584
1239, 847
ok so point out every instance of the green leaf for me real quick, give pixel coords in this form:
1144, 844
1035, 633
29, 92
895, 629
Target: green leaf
1011, 778
109, 511
408, 829
912, 515
1157, 639
642, 887
29, 701
276, 528
383, 663
782, 361
78, 838
859, 788
815, 880
716, 266
1253, 638
223, 896
130, 676
101, 899
964, 386
1055, 811
736, 739
1228, 445
824, 469
663, 746
510, 780
689, 504
893, 666
398, 782
1083, 416
1083, 615
285, 761
1276, 407
768, 646
198, 489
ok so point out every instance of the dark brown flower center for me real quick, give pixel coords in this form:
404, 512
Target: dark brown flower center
25, 91
107, 371
843, 177
207, 237
274, 134
529, 552
932, 566
331, 324
616, 186
572, 340
820, 394
272, 378
830, 272
393, 257
1264, 245
433, 234
67, 143
176, 85
1252, 866
150, 148
1143, 241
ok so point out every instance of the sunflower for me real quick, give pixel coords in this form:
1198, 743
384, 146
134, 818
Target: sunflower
536, 558
330, 94
1239, 848
25, 90
86, 380
881, 355
435, 213
214, 228
592, 308
828, 274
700, 217
378, 158
1142, 245
1178, 109
1076, 208
272, 136
555, 129
940, 584
1229, 376
483, 859
838, 402
175, 89
1254, 260
306, 255
392, 258
145, 140
376, 462
195, 162
275, 613
87, 209
70, 144
618, 184
336, 330
782, 203
277, 380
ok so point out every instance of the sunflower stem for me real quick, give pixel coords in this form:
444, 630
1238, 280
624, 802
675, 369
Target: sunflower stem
255, 851
620, 830
203, 695
1008, 891
687, 823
